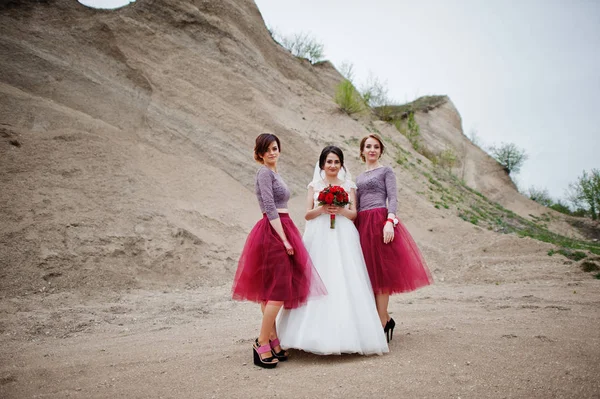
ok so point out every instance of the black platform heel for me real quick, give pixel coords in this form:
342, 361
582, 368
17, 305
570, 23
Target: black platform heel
389, 329
282, 355
267, 363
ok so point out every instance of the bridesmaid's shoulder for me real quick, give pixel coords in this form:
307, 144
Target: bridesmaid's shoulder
263, 171
388, 169
384, 170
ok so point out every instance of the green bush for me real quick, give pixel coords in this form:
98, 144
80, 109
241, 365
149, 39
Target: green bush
540, 195
447, 159
561, 207
401, 159
585, 193
348, 98
421, 104
411, 131
384, 113
573, 255
509, 156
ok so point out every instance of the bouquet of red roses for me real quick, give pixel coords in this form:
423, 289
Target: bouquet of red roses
333, 195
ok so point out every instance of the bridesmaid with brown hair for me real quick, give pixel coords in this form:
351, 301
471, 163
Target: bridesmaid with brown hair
274, 269
393, 259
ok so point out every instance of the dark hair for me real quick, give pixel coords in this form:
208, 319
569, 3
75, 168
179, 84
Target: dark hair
362, 145
263, 141
331, 149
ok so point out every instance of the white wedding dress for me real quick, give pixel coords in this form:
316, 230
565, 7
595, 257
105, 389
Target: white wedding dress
345, 320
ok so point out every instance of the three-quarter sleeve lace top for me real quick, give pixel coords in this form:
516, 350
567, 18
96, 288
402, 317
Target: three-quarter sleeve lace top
376, 186
271, 191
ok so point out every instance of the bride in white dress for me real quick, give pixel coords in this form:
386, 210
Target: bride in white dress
345, 320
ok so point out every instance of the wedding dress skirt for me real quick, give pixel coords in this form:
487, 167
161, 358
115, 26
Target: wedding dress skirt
345, 320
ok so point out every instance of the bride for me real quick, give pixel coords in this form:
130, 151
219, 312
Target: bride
345, 320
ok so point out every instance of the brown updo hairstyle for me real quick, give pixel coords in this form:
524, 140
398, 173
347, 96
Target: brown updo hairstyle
263, 141
362, 145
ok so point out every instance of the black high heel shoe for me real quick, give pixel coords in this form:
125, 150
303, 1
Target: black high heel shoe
267, 363
389, 329
282, 355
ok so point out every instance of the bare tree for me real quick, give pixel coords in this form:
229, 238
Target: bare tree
303, 45
509, 156
347, 70
475, 138
540, 195
375, 92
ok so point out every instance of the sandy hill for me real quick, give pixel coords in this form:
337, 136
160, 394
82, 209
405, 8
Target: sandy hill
126, 178
135, 131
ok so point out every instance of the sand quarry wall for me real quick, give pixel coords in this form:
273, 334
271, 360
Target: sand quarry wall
126, 142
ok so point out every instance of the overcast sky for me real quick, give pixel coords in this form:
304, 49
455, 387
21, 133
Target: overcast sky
520, 71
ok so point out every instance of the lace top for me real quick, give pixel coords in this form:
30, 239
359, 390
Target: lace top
374, 187
271, 191
320, 185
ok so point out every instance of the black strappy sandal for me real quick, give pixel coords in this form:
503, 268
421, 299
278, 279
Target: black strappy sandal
267, 363
282, 355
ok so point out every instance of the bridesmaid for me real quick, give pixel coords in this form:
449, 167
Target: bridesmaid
393, 259
274, 269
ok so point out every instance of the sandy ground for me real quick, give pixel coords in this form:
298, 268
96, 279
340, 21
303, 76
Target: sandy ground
533, 339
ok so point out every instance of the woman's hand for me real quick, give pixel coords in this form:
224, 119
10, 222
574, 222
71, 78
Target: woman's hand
288, 247
332, 209
388, 232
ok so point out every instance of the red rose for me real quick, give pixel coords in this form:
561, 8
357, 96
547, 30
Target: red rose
329, 198
339, 197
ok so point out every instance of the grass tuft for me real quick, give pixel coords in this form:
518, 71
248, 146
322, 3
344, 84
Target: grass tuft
348, 98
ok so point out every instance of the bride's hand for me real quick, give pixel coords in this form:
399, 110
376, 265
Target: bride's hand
333, 209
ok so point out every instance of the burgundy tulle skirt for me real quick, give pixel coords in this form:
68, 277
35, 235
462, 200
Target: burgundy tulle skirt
394, 267
267, 273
